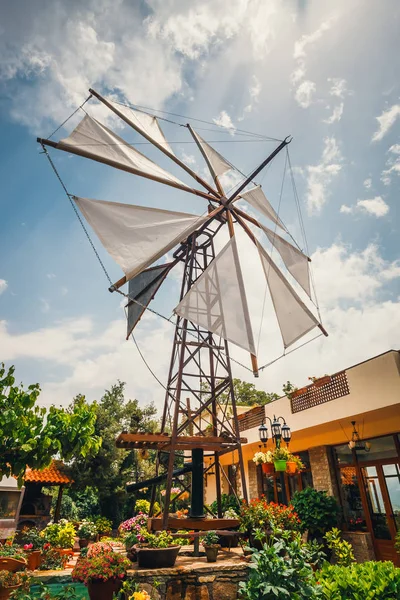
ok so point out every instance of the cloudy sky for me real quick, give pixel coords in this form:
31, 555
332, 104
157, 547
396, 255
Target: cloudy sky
326, 73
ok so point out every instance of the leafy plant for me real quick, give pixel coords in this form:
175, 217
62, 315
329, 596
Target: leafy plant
281, 453
369, 580
98, 549
31, 535
299, 463
42, 592
10, 550
281, 570
103, 525
210, 539
266, 516
87, 530
288, 388
8, 579
342, 550
142, 506
163, 539
227, 501
52, 560
31, 435
231, 514
315, 553
263, 457
397, 542
61, 534
103, 567
317, 511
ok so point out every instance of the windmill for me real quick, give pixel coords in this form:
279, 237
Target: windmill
212, 310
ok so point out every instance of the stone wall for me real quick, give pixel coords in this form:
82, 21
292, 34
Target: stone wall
253, 480
323, 470
199, 581
362, 545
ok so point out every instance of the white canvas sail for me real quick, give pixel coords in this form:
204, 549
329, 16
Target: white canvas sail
295, 261
100, 143
217, 162
294, 318
137, 236
145, 122
258, 200
217, 300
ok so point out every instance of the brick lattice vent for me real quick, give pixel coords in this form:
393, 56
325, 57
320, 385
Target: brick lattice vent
251, 418
315, 395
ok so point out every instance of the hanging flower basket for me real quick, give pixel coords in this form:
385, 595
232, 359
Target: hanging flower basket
280, 465
291, 467
267, 468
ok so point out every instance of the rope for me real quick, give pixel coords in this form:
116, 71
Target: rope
70, 116
70, 196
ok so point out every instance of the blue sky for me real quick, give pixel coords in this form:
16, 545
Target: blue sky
326, 73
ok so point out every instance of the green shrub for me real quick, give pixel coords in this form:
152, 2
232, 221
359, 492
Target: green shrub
227, 501
342, 551
397, 542
103, 526
317, 511
281, 571
142, 506
366, 581
61, 534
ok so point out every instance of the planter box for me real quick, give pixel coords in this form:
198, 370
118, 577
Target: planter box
157, 558
322, 381
296, 393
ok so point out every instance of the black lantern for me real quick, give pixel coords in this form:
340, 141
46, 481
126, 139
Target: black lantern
276, 429
286, 433
263, 433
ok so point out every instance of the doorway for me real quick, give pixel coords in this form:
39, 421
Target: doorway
381, 485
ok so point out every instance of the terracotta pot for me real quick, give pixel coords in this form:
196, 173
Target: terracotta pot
280, 465
291, 467
211, 553
103, 590
34, 558
267, 468
83, 543
12, 564
157, 558
5, 593
64, 551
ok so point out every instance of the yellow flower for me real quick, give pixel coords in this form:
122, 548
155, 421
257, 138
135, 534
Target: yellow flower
140, 596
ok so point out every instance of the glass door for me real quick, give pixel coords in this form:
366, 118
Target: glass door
382, 489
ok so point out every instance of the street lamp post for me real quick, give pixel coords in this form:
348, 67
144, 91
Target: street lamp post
279, 432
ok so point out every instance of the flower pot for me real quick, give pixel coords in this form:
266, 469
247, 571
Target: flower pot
212, 552
291, 467
5, 592
103, 590
34, 558
12, 564
156, 558
280, 465
83, 543
322, 381
132, 554
267, 468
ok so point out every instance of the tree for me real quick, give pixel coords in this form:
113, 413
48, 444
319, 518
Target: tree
112, 468
246, 394
31, 435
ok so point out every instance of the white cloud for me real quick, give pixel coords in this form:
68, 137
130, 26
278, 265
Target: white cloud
374, 206
336, 114
64, 291
3, 286
386, 120
392, 165
225, 121
304, 93
308, 40
367, 183
45, 305
188, 159
338, 87
320, 176
50, 275
254, 92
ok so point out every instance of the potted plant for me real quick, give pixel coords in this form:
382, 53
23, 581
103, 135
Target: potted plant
259, 518
9, 582
294, 465
12, 557
103, 526
102, 571
317, 511
211, 546
280, 457
32, 544
157, 551
87, 532
265, 460
320, 381
61, 536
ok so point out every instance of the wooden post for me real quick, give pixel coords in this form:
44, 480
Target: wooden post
58, 505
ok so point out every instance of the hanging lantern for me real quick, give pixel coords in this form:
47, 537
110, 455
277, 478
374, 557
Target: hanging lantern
276, 429
286, 433
263, 433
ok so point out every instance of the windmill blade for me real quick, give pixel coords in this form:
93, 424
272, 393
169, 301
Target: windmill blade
217, 300
137, 236
142, 290
93, 140
294, 318
147, 124
215, 161
258, 200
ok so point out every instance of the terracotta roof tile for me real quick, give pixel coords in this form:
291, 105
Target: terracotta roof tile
52, 475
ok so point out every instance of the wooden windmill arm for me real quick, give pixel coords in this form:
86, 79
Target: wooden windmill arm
176, 160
